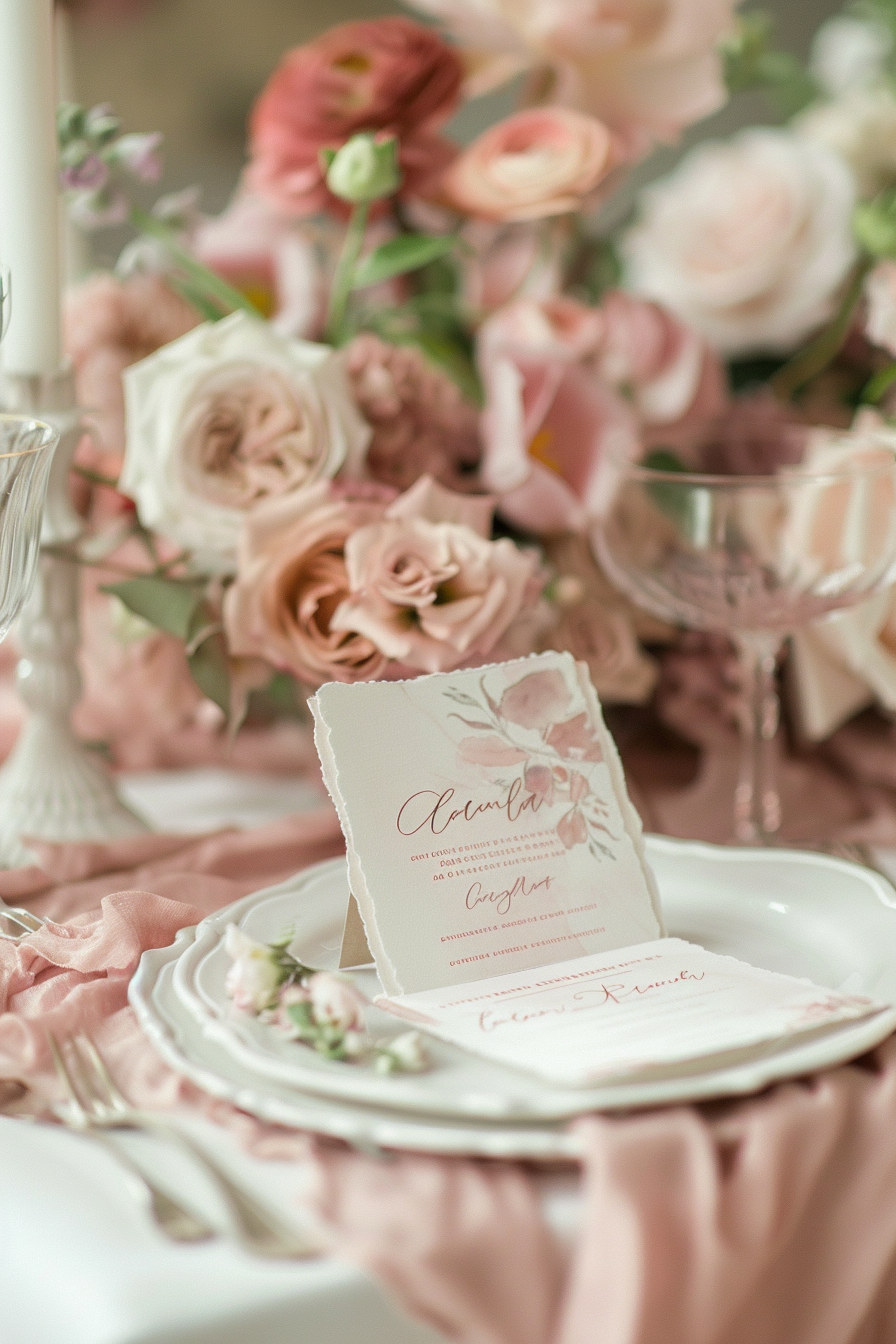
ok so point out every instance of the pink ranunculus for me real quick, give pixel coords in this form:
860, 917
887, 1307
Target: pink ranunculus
291, 579
388, 74
575, 740
670, 371
536, 700
427, 587
553, 427
537, 163
648, 68
421, 424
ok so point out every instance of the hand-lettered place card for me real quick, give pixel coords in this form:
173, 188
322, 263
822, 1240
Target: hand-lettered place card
487, 822
629, 1012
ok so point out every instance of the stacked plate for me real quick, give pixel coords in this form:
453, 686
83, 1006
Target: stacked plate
804, 914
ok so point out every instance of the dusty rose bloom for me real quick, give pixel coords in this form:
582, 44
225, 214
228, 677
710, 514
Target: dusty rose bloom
427, 586
421, 423
291, 580
388, 74
754, 436
108, 325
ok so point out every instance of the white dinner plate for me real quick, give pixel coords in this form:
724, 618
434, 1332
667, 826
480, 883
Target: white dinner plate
181, 1041
791, 911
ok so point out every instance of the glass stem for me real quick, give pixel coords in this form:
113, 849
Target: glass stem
757, 803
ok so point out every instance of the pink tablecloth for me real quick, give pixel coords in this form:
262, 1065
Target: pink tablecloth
769, 1221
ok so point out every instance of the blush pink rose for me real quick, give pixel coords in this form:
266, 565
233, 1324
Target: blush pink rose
552, 426
647, 68
388, 74
427, 586
542, 162
292, 578
670, 371
536, 700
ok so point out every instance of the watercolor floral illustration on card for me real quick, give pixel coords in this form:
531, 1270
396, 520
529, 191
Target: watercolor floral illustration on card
538, 727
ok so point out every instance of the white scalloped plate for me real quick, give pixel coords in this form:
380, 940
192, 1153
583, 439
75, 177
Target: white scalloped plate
786, 910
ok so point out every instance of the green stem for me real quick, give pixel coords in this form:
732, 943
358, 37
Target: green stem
345, 273
818, 354
198, 275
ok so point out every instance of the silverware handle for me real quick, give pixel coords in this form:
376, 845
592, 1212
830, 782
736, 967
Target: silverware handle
177, 1222
259, 1228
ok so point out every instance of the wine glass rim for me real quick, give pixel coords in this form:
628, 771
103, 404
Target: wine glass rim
48, 440
793, 475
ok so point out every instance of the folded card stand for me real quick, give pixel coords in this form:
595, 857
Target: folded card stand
486, 820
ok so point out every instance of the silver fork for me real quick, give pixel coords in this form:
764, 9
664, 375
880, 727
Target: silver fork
16, 924
177, 1222
257, 1228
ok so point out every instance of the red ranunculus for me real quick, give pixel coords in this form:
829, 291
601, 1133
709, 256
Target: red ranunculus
388, 74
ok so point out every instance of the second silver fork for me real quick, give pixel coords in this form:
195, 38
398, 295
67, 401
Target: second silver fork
257, 1228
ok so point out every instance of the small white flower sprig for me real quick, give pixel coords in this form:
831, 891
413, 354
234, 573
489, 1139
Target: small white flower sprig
316, 1008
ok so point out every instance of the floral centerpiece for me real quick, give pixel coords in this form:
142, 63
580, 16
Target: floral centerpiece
360, 425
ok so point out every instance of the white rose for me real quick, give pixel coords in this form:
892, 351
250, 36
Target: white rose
860, 127
748, 241
880, 293
225, 416
255, 975
848, 53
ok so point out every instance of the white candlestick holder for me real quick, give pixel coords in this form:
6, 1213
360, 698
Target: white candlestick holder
52, 787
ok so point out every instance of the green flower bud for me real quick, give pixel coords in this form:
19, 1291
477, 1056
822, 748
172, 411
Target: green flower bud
364, 169
874, 225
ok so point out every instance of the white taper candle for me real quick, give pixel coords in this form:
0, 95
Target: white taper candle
29, 196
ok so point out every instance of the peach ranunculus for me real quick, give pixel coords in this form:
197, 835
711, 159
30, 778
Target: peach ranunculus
647, 68
428, 586
552, 425
747, 241
532, 165
226, 416
388, 74
292, 578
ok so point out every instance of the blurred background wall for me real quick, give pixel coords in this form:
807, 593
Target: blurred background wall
191, 68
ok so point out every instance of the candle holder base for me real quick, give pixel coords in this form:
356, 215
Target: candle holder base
52, 787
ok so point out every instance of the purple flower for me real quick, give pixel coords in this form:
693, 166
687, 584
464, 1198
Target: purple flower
91, 174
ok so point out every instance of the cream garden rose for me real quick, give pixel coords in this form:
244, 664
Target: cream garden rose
748, 240
229, 415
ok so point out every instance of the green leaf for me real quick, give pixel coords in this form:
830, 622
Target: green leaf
165, 603
454, 360
408, 252
210, 669
882, 381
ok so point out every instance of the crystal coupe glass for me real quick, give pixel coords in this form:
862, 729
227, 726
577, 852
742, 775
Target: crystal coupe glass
753, 557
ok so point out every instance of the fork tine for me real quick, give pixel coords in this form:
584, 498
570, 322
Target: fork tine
65, 1076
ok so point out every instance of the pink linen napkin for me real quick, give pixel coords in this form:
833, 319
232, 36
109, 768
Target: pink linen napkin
768, 1221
